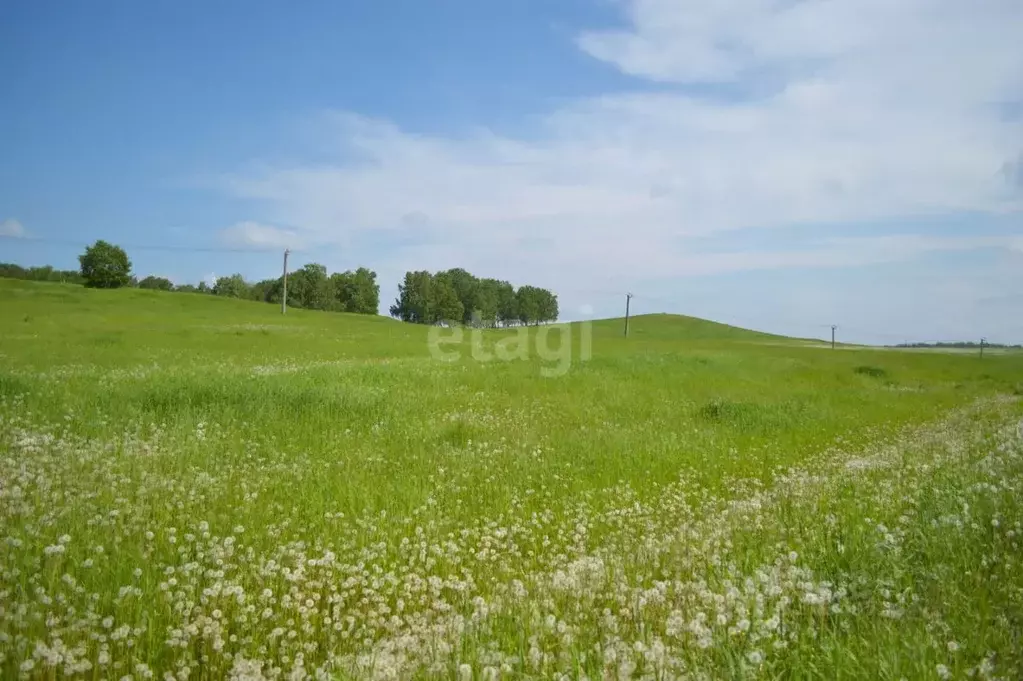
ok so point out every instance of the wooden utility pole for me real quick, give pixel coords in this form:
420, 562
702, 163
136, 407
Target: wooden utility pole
284, 293
628, 297
833, 327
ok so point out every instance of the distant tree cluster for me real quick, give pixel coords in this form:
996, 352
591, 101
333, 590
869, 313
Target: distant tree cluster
456, 296
452, 296
309, 287
44, 273
957, 344
156, 283
105, 265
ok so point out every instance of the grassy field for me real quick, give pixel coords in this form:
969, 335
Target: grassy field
201, 488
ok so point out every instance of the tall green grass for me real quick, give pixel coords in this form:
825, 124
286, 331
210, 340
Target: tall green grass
665, 470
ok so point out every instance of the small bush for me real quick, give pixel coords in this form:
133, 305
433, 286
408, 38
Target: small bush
12, 386
873, 372
748, 417
720, 410
458, 434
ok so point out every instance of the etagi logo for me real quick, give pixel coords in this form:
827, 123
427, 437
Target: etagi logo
551, 343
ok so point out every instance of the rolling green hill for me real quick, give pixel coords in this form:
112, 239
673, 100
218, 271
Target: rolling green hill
206, 476
673, 327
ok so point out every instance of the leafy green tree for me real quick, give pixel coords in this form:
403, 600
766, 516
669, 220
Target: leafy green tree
413, 301
548, 306
467, 289
455, 295
309, 287
367, 292
343, 286
185, 288
42, 273
11, 271
536, 305
233, 286
104, 265
444, 303
488, 301
157, 283
507, 304
68, 276
356, 291
529, 303
267, 290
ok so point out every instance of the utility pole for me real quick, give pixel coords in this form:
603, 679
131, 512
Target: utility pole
833, 327
982, 340
628, 297
284, 293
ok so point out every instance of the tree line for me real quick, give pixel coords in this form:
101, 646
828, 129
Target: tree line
962, 345
452, 296
309, 287
105, 265
456, 296
43, 273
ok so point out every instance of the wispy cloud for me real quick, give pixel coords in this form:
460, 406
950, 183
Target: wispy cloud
879, 111
825, 115
835, 253
12, 228
255, 235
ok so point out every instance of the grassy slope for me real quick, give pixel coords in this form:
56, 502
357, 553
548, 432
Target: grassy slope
328, 413
679, 392
672, 327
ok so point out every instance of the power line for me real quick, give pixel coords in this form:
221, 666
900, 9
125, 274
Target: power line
905, 338
779, 321
148, 247
749, 320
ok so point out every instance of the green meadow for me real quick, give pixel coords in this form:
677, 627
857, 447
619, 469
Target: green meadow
195, 487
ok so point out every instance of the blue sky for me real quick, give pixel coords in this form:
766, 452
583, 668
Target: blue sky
783, 166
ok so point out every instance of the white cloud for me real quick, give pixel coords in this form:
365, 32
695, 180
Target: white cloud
13, 228
684, 42
834, 252
849, 111
256, 235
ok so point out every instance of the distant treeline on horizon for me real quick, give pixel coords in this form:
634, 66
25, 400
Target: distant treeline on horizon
309, 287
956, 344
452, 296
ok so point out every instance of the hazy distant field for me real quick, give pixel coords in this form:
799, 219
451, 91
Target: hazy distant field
194, 487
